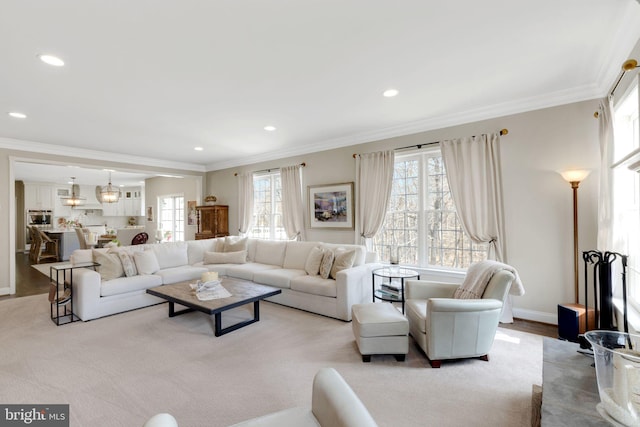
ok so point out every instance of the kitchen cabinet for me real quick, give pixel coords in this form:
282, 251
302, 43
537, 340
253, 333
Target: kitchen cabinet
131, 203
213, 221
38, 196
59, 208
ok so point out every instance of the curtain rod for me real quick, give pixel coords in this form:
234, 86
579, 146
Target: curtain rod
303, 164
628, 65
418, 146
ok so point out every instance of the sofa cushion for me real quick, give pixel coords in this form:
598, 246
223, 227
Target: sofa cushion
180, 274
124, 285
296, 254
128, 265
246, 271
235, 244
197, 248
278, 277
110, 266
314, 259
326, 264
173, 254
343, 259
314, 285
146, 262
361, 251
270, 252
239, 257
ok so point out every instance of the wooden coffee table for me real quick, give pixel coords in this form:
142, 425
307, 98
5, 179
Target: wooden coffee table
242, 292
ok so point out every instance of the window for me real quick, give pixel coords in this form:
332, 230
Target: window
421, 226
171, 218
267, 207
626, 190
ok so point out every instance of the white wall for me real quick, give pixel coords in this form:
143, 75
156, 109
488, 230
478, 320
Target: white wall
538, 202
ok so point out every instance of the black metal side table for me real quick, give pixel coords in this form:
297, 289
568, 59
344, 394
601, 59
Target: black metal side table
389, 289
61, 300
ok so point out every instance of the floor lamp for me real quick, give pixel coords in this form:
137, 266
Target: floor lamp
575, 177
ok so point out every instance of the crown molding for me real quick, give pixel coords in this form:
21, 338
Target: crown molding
83, 153
624, 41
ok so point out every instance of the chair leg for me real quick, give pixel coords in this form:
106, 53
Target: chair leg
435, 363
485, 357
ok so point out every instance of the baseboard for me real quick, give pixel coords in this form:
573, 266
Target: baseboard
5, 291
536, 316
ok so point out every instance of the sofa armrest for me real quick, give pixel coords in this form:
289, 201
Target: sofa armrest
86, 292
334, 403
462, 305
353, 286
424, 289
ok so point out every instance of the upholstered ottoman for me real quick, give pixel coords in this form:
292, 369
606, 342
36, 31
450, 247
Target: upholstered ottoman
380, 329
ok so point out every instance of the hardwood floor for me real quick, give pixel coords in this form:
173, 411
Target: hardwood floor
30, 281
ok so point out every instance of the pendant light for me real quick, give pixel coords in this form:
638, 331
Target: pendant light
109, 194
74, 199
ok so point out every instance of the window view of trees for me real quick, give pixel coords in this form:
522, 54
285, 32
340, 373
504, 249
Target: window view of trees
421, 225
267, 207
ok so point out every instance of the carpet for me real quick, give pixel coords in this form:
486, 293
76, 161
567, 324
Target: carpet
44, 268
122, 369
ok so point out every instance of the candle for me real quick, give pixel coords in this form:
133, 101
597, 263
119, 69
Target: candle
209, 276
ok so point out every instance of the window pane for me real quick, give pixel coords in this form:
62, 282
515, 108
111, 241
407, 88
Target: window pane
267, 207
441, 241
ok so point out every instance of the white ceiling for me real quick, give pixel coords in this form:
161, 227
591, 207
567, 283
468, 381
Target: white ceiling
146, 82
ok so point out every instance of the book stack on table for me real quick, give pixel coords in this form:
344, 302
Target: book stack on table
390, 289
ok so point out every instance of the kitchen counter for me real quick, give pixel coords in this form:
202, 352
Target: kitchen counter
67, 241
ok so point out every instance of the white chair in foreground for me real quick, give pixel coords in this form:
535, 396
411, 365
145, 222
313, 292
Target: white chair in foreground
161, 420
333, 404
453, 328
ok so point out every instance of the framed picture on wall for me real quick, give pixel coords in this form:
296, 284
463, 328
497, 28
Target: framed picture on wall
150, 214
331, 206
191, 212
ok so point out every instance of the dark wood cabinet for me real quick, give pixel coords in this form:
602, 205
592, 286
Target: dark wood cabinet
213, 221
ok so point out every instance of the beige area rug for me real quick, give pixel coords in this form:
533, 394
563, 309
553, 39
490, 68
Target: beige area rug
44, 268
120, 370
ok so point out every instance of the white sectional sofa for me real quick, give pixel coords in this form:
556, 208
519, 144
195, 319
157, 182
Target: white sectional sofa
282, 264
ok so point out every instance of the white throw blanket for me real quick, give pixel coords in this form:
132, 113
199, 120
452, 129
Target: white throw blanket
478, 277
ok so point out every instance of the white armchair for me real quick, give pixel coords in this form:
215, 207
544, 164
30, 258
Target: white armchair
449, 328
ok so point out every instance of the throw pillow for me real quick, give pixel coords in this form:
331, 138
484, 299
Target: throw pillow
325, 265
343, 259
314, 259
110, 265
128, 265
146, 262
231, 245
238, 257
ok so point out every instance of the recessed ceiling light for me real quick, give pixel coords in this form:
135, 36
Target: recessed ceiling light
269, 128
17, 115
51, 60
390, 93
198, 148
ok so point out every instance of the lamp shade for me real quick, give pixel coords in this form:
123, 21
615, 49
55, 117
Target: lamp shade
575, 175
74, 199
109, 194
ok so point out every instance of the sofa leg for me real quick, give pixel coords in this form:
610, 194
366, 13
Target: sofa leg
485, 358
400, 357
366, 358
435, 363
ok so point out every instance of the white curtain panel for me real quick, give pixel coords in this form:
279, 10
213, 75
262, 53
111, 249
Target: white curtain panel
474, 172
292, 205
605, 124
374, 177
245, 202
